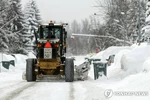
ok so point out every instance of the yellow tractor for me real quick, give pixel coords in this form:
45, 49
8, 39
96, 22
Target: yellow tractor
51, 54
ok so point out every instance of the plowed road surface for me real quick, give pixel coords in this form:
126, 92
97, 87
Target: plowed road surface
12, 87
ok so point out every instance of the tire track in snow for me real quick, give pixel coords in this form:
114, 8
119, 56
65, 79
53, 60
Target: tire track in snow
12, 85
71, 92
12, 92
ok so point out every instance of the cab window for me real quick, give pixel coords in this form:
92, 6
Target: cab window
50, 32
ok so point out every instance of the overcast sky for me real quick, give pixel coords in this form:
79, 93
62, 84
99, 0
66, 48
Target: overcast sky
65, 10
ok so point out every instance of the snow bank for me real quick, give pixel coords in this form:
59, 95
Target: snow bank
20, 58
5, 57
129, 72
20, 61
130, 61
133, 61
115, 70
127, 61
146, 66
137, 83
103, 55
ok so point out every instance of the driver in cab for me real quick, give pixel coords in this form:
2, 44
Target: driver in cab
50, 35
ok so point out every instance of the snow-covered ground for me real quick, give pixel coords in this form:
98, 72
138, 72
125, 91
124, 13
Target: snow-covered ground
129, 73
14, 88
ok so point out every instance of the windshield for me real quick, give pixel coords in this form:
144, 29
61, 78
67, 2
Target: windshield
50, 33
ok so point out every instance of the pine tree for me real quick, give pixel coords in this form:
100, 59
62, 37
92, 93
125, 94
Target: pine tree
11, 19
4, 36
32, 20
146, 28
15, 26
15, 12
135, 19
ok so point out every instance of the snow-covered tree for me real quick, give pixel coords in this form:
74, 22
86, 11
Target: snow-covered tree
136, 19
15, 13
3, 40
146, 28
3, 35
31, 21
11, 19
3, 9
15, 26
122, 19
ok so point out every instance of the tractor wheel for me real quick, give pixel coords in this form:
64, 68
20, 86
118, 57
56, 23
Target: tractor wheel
35, 62
30, 75
69, 70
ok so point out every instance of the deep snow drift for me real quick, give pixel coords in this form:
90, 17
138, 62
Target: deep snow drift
129, 72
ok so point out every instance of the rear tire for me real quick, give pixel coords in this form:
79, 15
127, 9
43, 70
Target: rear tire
34, 75
69, 70
30, 75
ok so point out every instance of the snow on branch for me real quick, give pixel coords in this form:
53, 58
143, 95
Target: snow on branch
3, 10
8, 22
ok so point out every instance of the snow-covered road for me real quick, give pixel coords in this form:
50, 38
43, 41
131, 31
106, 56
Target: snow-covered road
55, 91
12, 87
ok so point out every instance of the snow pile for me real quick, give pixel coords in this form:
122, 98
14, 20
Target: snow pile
146, 66
115, 70
103, 55
19, 59
129, 72
133, 61
136, 83
127, 61
5, 57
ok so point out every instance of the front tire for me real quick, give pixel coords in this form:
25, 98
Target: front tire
30, 75
69, 70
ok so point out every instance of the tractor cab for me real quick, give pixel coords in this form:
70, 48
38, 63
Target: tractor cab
51, 32
53, 35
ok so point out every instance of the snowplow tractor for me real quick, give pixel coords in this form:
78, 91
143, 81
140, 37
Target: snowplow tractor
51, 54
